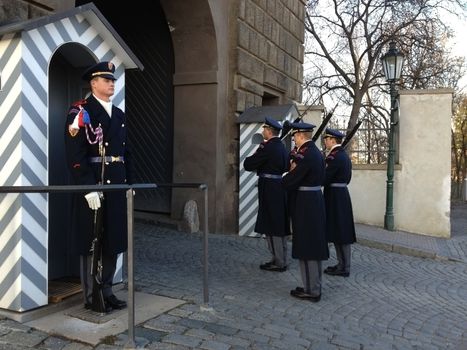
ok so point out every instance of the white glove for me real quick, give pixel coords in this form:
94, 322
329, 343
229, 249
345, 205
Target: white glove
75, 124
94, 200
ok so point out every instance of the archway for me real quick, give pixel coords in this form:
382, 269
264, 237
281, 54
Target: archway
148, 97
65, 86
196, 100
172, 106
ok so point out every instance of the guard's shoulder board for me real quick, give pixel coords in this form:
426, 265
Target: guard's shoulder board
79, 103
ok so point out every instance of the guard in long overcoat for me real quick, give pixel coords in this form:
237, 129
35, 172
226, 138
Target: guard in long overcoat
309, 243
270, 161
340, 228
82, 131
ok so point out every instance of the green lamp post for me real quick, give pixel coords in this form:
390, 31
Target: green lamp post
392, 67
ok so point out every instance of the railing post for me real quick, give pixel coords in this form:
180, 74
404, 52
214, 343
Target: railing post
206, 255
131, 296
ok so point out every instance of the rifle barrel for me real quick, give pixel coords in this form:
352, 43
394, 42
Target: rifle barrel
325, 122
351, 134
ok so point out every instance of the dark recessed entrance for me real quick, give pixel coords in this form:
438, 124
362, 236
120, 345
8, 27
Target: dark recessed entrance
148, 97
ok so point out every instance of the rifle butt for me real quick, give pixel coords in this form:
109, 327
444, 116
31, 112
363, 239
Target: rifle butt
98, 303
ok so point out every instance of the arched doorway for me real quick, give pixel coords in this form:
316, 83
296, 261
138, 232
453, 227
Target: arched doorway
65, 86
173, 106
199, 116
148, 97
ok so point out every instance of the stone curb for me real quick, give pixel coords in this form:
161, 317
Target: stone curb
390, 247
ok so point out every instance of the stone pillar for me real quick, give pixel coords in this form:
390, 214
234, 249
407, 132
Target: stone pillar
423, 186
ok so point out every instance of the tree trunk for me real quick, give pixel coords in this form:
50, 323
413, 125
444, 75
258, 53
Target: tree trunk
357, 102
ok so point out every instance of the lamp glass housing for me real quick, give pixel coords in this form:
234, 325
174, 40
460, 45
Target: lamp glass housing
392, 63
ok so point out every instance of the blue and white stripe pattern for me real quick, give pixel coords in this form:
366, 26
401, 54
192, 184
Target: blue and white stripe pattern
24, 65
248, 191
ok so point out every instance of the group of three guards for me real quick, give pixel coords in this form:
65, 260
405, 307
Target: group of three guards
290, 185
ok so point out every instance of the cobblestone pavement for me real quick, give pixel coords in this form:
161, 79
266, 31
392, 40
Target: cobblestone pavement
390, 301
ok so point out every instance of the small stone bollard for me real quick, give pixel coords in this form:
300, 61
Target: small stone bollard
190, 217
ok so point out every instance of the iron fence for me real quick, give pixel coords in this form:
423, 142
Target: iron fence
369, 144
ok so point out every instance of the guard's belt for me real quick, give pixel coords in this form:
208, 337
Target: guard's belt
338, 184
309, 188
270, 176
107, 159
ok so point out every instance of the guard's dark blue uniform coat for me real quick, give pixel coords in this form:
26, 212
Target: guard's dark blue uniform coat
271, 158
308, 215
340, 226
78, 152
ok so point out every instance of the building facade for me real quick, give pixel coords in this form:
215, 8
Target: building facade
205, 62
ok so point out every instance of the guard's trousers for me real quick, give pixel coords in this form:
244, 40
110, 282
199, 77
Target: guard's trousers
311, 272
343, 256
278, 247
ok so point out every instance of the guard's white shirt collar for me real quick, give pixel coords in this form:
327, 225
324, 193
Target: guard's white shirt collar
107, 105
327, 151
336, 145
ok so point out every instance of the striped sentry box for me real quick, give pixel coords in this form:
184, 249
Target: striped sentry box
251, 122
26, 49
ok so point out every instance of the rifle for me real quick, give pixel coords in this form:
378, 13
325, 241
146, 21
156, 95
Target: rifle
351, 134
286, 127
323, 124
98, 304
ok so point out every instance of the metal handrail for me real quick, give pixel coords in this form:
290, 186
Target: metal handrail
73, 188
130, 200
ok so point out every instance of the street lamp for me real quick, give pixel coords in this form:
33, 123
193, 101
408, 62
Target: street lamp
392, 67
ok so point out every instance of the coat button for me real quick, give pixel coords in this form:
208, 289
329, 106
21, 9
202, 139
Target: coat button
123, 125
108, 181
123, 143
106, 143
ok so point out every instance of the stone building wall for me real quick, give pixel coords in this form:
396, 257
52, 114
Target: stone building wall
269, 55
422, 178
20, 10
229, 55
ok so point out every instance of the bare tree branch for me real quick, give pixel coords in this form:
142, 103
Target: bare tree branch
346, 38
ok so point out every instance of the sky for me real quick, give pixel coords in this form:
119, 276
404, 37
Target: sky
459, 44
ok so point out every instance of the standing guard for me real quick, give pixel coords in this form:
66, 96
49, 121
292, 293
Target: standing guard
97, 153
304, 180
340, 228
270, 161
